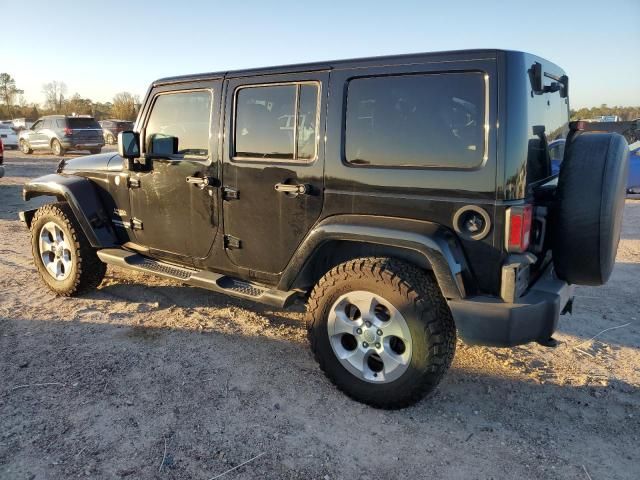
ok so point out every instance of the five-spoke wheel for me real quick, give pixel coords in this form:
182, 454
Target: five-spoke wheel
381, 330
369, 336
55, 251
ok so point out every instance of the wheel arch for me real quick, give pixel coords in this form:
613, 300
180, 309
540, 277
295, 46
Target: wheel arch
344, 237
82, 198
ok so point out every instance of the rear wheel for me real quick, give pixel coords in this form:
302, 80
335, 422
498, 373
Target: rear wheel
65, 260
24, 146
94, 151
381, 331
56, 148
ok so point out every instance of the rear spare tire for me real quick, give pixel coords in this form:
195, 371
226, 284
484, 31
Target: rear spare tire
590, 201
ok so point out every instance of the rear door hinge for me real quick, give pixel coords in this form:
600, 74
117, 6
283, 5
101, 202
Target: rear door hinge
133, 182
230, 194
232, 242
136, 224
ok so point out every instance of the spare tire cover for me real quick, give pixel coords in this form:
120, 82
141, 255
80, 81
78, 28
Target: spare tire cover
590, 200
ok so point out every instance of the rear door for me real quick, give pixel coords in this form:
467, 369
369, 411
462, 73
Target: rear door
273, 166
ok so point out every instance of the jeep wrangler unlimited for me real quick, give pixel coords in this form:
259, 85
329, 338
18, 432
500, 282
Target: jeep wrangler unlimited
408, 199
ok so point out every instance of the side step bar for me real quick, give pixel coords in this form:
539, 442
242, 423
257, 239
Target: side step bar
198, 278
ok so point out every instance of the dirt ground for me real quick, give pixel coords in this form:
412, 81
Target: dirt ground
146, 379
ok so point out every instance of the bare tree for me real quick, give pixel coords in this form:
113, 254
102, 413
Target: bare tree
54, 94
125, 106
8, 90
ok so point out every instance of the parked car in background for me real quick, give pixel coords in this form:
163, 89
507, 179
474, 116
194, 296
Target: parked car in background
21, 123
629, 130
111, 128
1, 159
8, 136
60, 133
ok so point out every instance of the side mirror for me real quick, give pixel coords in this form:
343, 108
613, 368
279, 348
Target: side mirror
129, 144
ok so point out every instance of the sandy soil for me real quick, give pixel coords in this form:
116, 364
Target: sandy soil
147, 379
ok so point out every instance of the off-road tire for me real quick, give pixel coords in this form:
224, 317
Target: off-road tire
26, 149
87, 271
412, 291
587, 220
56, 148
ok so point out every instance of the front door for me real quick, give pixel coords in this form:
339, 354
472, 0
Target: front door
175, 213
36, 135
273, 166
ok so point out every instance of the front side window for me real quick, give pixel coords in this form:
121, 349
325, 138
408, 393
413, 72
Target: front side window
269, 126
431, 120
185, 116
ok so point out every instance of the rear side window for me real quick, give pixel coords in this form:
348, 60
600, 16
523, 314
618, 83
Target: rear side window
413, 121
80, 123
277, 122
185, 115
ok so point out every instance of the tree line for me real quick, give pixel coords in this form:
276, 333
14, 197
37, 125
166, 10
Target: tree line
624, 113
124, 105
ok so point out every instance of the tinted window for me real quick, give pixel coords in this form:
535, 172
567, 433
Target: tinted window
266, 122
434, 120
184, 116
79, 123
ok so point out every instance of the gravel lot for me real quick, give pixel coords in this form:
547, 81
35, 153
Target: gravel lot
146, 379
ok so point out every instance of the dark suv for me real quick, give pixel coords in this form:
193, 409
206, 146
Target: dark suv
111, 129
405, 199
60, 133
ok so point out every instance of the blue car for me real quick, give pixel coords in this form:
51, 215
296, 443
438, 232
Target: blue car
556, 152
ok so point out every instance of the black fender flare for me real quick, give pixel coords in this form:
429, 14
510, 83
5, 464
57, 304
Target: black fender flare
434, 243
84, 201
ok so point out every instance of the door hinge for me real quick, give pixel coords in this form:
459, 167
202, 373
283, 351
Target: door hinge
136, 224
133, 182
230, 194
232, 242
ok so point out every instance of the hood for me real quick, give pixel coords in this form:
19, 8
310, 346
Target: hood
90, 163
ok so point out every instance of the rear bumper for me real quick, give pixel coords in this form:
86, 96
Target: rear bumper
532, 317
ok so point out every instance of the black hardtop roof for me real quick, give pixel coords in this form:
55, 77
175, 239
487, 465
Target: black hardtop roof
460, 55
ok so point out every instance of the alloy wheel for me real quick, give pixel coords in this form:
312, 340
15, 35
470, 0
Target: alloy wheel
55, 251
369, 336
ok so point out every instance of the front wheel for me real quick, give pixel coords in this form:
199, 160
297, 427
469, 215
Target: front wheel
94, 151
24, 146
65, 260
381, 331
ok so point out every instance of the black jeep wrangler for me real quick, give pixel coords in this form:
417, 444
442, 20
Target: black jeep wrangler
406, 199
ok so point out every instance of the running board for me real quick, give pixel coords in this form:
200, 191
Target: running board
197, 278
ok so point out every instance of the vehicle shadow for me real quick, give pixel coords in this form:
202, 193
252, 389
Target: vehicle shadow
121, 391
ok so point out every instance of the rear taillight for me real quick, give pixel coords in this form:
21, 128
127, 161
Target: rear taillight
518, 226
68, 131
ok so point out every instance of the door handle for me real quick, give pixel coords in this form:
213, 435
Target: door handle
200, 181
293, 189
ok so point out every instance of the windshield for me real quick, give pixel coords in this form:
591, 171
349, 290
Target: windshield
82, 123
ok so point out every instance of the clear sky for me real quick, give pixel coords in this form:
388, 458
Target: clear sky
101, 48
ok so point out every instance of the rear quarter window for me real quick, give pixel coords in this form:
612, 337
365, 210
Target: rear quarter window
416, 121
